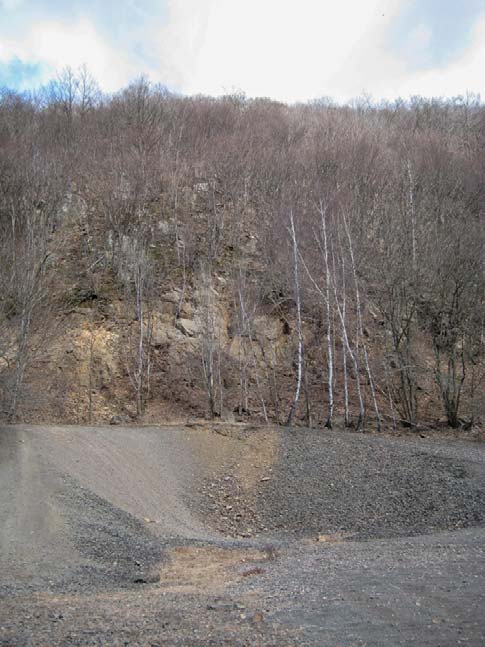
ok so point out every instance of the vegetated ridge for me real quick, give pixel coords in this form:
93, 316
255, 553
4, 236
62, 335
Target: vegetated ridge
167, 257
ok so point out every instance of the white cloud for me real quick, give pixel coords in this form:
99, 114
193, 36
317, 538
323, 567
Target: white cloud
297, 51
178, 43
56, 45
287, 50
462, 75
419, 38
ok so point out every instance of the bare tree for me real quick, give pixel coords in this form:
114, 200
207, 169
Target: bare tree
299, 327
29, 199
141, 274
210, 349
395, 257
248, 361
360, 327
328, 308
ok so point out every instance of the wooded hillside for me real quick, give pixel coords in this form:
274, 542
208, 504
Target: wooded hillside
165, 256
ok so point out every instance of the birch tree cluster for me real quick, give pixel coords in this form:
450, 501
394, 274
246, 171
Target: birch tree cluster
338, 251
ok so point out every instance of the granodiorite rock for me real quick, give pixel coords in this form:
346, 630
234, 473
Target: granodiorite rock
172, 297
267, 328
188, 327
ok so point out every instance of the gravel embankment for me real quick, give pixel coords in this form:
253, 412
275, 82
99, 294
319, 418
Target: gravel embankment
361, 486
237, 536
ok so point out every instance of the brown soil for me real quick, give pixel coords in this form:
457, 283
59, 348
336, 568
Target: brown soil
193, 569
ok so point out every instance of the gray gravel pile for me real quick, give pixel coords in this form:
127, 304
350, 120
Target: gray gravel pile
361, 486
104, 538
116, 547
228, 508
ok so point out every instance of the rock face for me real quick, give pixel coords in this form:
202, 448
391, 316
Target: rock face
172, 297
159, 338
188, 327
119, 420
267, 328
159, 335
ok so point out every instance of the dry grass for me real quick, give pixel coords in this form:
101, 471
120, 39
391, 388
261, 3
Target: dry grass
193, 569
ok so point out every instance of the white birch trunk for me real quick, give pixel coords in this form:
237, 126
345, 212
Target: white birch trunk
329, 421
412, 214
360, 326
344, 349
299, 323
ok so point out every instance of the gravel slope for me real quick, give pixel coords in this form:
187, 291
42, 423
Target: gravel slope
83, 502
199, 536
322, 482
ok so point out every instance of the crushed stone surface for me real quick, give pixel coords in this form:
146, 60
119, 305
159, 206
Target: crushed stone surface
239, 536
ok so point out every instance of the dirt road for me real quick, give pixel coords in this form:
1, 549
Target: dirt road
198, 536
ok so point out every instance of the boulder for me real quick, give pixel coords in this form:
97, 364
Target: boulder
172, 297
159, 335
119, 420
188, 327
168, 308
157, 330
267, 328
187, 310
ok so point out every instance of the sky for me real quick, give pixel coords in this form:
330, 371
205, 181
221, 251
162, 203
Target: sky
284, 49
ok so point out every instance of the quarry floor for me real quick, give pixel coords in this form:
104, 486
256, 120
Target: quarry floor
237, 535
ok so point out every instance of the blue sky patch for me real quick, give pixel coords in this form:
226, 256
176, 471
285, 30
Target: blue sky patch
288, 51
431, 33
19, 75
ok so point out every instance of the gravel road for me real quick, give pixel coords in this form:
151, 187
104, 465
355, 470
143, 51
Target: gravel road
196, 535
